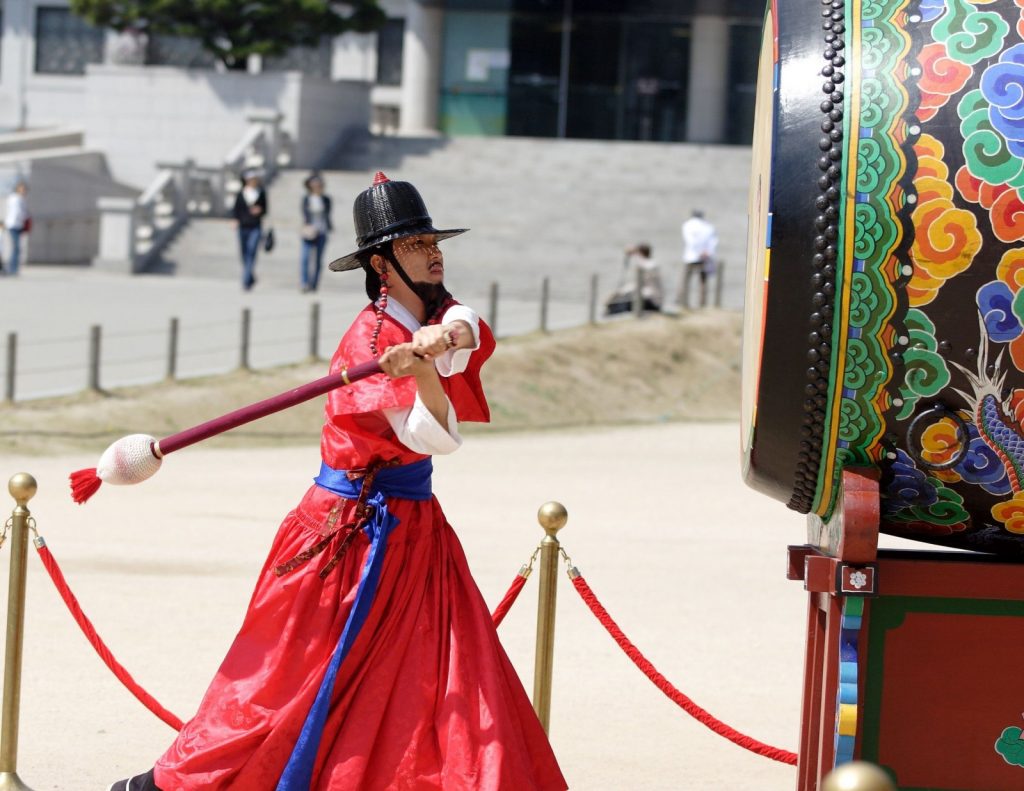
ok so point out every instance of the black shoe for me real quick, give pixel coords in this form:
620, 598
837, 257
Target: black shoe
142, 782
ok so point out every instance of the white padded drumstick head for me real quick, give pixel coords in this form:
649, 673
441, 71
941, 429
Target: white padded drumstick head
129, 460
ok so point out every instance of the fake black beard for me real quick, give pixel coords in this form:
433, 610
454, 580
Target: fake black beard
433, 296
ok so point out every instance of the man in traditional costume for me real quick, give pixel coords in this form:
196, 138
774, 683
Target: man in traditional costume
367, 658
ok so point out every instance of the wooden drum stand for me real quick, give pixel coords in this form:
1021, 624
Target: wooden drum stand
912, 657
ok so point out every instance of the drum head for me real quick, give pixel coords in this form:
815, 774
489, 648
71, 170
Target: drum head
885, 293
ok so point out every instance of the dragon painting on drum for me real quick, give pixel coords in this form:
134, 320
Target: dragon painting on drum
885, 293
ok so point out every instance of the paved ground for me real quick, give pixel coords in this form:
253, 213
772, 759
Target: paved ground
687, 559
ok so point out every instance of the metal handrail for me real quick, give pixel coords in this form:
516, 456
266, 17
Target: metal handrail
164, 177
170, 199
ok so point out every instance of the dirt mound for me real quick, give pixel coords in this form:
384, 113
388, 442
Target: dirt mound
627, 371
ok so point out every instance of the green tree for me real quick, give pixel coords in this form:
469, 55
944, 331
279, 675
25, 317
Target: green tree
234, 29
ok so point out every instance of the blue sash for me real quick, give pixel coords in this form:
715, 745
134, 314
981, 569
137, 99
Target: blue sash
409, 482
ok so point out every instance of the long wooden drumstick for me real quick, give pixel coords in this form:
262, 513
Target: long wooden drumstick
135, 458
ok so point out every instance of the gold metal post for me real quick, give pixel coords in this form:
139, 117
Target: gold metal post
552, 517
22, 488
858, 776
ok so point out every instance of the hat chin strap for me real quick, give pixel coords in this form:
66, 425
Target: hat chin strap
432, 302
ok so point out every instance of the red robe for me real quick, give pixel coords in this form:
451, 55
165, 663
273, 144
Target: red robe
426, 698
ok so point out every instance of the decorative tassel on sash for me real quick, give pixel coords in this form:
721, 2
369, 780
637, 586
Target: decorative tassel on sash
348, 531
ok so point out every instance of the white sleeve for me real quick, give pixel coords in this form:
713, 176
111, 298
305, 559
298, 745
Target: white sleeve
417, 429
454, 361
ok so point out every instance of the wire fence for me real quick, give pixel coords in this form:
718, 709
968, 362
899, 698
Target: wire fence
100, 358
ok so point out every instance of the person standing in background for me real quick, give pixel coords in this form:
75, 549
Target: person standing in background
316, 224
17, 222
249, 211
700, 242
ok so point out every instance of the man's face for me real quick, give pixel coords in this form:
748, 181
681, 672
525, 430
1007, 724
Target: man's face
421, 258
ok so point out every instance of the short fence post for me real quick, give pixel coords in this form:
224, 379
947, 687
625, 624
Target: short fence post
492, 308
172, 349
592, 317
638, 297
684, 288
22, 488
95, 339
719, 278
246, 332
545, 294
314, 331
12, 364
552, 517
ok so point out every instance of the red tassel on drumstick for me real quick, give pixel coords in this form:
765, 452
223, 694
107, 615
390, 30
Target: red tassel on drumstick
135, 458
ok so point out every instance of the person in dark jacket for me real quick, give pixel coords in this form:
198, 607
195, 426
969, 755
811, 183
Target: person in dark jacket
316, 224
249, 211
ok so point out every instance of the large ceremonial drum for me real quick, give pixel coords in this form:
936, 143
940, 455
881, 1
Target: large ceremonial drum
885, 294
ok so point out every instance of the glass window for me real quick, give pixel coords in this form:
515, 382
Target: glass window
315, 61
535, 44
389, 52
65, 43
744, 49
182, 51
474, 73
655, 66
626, 74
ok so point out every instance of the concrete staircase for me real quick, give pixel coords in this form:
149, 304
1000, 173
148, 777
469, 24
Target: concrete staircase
536, 207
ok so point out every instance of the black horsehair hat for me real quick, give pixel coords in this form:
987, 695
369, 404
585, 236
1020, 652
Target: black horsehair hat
388, 210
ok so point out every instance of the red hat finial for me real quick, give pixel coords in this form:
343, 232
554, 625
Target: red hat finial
380, 178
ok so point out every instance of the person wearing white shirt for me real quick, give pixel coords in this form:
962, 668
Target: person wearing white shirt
16, 221
700, 243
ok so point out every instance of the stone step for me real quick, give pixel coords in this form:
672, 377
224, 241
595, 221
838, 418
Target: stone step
562, 209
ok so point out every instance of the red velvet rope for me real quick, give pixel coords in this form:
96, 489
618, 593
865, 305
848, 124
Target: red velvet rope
147, 700
97, 643
677, 697
510, 598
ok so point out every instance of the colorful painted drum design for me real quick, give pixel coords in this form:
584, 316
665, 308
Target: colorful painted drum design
885, 296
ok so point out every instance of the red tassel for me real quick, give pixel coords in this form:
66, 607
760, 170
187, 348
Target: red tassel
84, 484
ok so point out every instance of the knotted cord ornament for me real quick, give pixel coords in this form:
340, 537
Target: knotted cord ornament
381, 307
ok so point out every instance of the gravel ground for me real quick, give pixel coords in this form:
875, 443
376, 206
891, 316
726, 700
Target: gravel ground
687, 560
